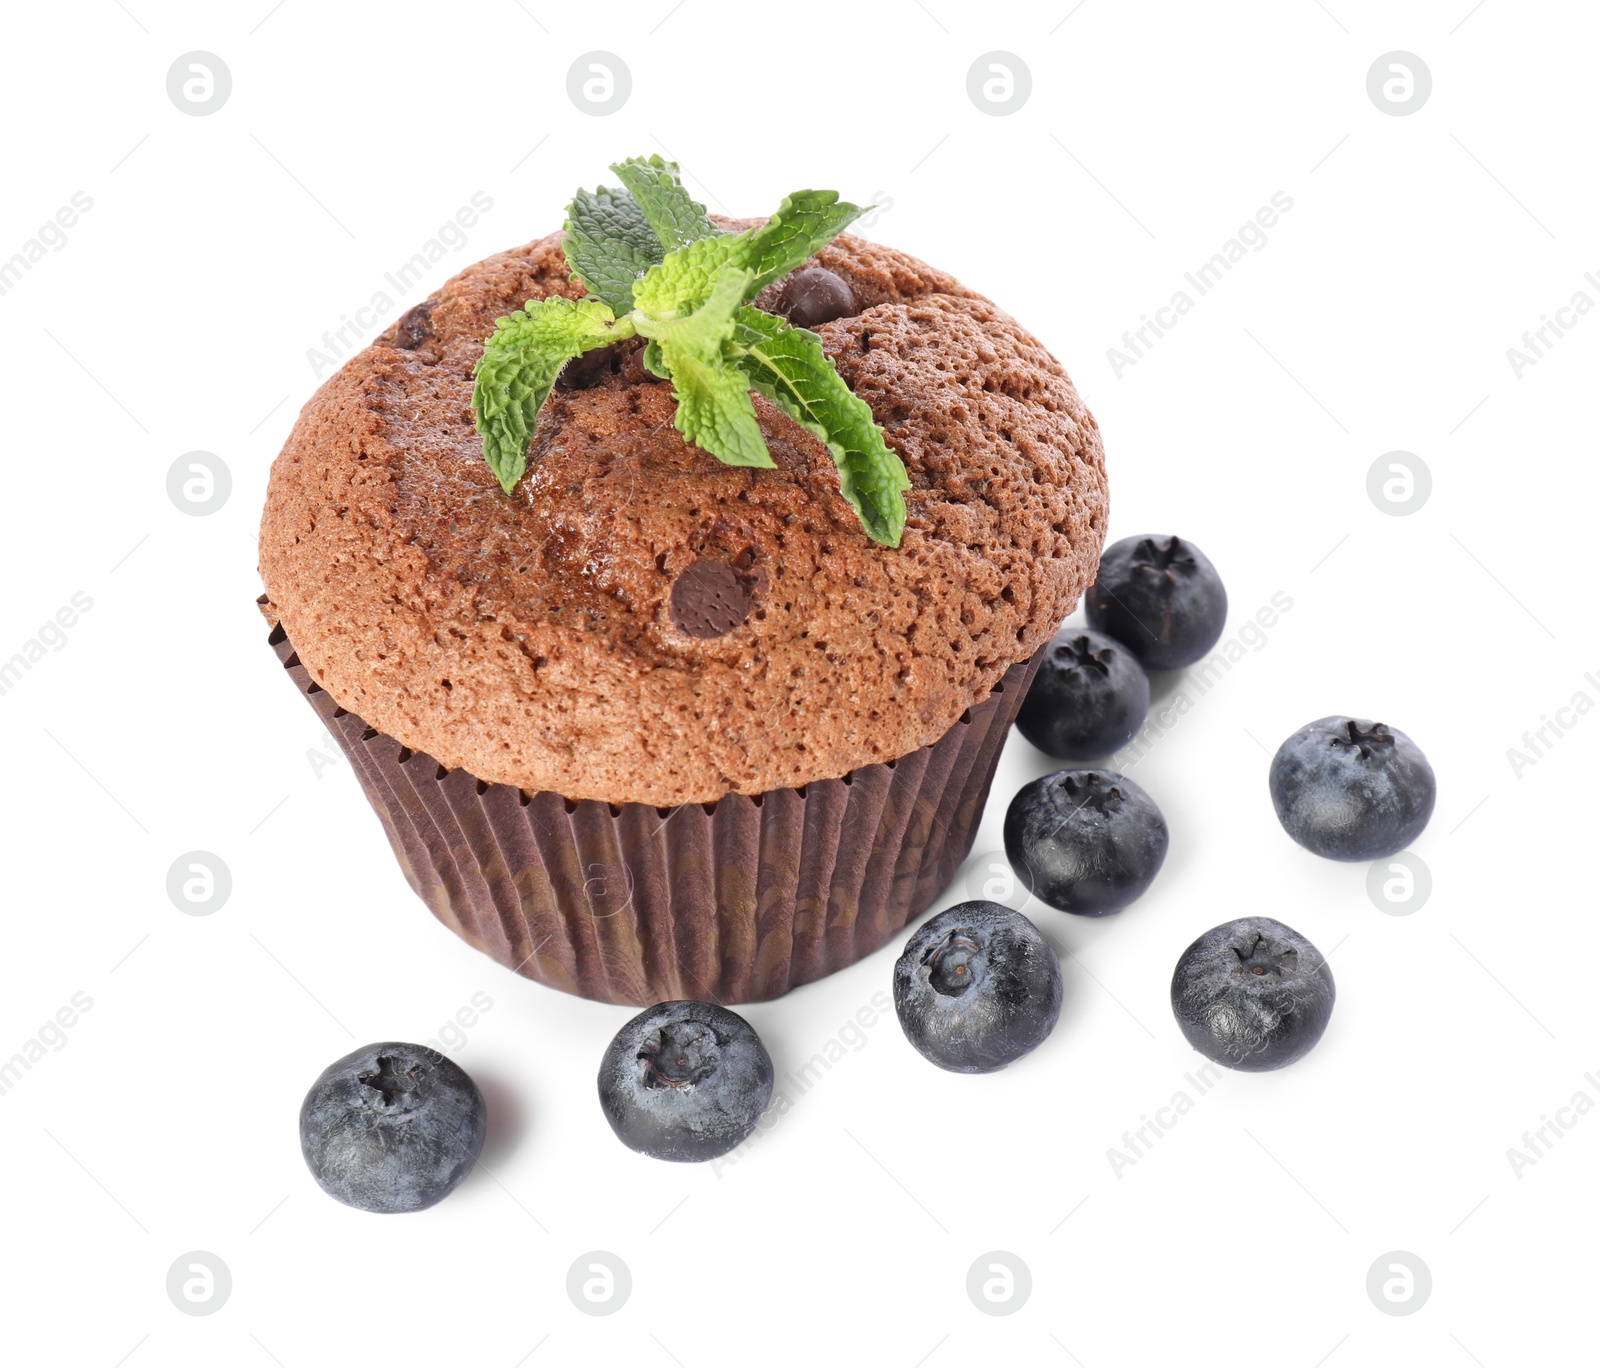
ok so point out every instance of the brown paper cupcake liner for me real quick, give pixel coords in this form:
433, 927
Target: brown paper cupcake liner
733, 901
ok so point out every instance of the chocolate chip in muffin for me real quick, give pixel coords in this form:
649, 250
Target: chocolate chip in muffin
588, 370
816, 296
709, 599
413, 328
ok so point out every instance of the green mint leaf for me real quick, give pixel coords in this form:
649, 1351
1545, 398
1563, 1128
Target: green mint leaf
610, 244
684, 279
654, 185
789, 366
520, 363
714, 408
805, 222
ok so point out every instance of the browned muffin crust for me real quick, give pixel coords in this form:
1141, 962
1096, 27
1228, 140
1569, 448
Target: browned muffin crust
536, 639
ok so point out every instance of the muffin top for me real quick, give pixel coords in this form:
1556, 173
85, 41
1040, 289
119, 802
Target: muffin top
637, 622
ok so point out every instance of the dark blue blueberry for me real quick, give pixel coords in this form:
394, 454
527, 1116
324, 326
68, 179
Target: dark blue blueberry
1088, 699
1085, 841
1252, 994
1161, 598
977, 987
1350, 789
685, 1081
392, 1127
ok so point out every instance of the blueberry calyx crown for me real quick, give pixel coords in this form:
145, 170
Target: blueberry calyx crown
952, 964
1163, 559
1259, 962
392, 1081
679, 1055
1091, 794
1365, 743
1079, 654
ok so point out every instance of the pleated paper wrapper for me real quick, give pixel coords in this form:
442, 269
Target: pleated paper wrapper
734, 901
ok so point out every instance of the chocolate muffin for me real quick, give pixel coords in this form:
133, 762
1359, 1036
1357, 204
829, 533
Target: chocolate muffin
652, 726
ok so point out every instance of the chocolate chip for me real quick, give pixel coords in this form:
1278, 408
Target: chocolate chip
413, 328
709, 599
586, 371
815, 296
634, 371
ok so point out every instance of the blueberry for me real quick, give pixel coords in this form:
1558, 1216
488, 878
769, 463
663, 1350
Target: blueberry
977, 987
816, 296
685, 1081
1088, 699
1085, 841
1350, 789
1252, 994
392, 1127
1161, 598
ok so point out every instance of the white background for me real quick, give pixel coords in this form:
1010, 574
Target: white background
177, 317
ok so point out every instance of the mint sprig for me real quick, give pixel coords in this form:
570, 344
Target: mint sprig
656, 267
